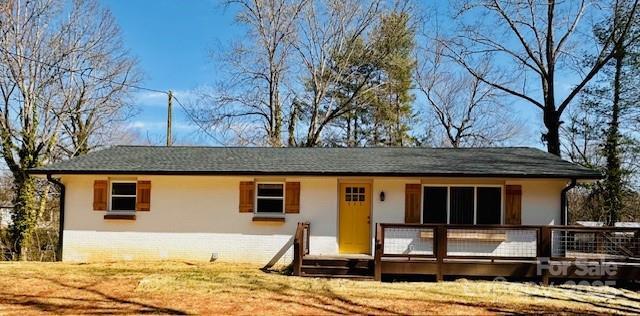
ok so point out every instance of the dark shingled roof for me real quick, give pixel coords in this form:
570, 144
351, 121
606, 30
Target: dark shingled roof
510, 162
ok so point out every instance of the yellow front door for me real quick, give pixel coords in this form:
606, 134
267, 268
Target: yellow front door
355, 217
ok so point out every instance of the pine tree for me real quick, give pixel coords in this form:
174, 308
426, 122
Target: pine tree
382, 113
392, 109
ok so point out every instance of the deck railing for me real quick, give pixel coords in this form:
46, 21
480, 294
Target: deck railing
300, 246
439, 243
599, 243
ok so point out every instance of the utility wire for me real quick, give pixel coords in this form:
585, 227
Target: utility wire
196, 121
81, 72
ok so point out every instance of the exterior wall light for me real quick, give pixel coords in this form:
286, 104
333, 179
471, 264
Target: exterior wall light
382, 196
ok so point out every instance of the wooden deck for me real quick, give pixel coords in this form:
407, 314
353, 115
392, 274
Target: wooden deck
541, 253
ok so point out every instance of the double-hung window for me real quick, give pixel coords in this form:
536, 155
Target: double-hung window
123, 196
462, 205
270, 198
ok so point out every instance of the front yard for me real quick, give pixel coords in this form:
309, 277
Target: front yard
185, 288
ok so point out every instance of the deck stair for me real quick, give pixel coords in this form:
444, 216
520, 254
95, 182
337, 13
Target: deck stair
360, 268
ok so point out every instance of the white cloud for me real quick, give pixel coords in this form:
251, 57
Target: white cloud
157, 125
150, 98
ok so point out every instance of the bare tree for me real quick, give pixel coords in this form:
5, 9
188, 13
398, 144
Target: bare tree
96, 92
467, 111
328, 29
38, 45
539, 49
253, 95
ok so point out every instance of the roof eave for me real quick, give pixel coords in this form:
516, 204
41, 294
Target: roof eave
586, 176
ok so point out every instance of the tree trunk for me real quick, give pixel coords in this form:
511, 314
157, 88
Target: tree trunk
25, 214
291, 141
553, 133
613, 176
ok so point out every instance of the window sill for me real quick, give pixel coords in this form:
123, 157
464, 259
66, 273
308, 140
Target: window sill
120, 216
273, 219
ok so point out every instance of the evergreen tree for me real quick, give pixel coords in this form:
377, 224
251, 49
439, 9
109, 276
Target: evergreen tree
381, 114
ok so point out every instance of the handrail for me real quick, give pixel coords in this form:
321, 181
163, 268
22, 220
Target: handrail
546, 242
507, 226
300, 246
378, 251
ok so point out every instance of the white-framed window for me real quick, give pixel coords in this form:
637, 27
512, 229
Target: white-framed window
462, 204
270, 197
122, 197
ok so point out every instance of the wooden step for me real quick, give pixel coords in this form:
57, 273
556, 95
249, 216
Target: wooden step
336, 270
339, 267
340, 276
352, 263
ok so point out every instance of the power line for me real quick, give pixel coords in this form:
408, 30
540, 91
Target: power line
196, 121
81, 72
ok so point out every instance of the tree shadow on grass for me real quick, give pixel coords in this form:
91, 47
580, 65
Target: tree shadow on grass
329, 301
324, 299
72, 303
579, 295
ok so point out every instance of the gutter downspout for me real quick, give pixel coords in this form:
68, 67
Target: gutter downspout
564, 207
62, 189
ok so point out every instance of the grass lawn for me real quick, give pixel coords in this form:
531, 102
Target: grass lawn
205, 288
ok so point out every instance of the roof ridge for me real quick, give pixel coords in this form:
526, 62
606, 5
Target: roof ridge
368, 147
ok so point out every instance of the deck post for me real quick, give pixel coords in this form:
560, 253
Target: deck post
298, 250
544, 251
441, 250
379, 247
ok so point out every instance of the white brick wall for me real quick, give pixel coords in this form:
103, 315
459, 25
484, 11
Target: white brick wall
194, 217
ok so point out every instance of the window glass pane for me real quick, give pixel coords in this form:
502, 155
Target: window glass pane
489, 205
123, 203
434, 208
348, 189
269, 206
361, 190
361, 197
461, 208
270, 190
123, 188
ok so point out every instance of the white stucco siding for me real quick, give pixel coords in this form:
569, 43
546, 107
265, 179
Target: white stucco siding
194, 218
541, 201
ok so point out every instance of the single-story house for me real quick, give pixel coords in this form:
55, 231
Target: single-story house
243, 204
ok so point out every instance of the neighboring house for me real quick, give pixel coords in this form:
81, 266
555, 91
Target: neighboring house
601, 224
243, 204
5, 216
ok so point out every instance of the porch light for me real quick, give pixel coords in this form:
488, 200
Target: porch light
382, 196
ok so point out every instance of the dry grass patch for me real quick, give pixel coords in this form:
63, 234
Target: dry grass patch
186, 288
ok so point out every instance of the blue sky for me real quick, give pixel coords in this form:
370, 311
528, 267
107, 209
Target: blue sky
172, 41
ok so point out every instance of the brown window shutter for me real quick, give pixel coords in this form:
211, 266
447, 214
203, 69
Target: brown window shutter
247, 196
292, 197
412, 197
100, 195
513, 205
143, 196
